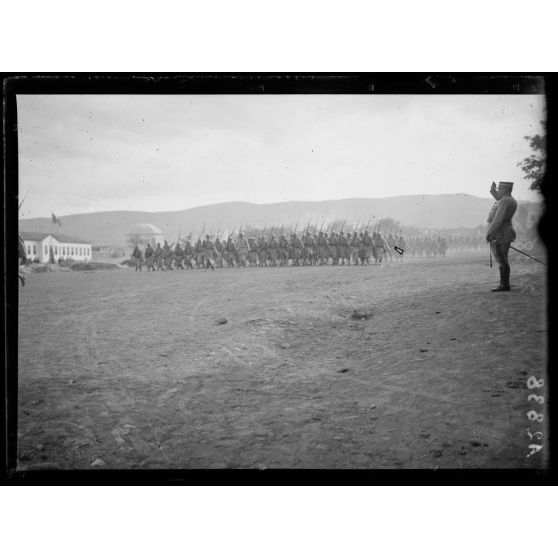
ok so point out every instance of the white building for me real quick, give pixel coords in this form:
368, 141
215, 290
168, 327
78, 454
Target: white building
39, 245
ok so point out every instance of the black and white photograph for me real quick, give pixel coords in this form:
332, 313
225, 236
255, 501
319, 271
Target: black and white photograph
339, 280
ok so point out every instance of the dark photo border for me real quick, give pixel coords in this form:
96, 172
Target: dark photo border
252, 84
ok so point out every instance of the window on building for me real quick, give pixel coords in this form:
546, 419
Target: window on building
80, 251
72, 249
28, 250
63, 250
34, 250
56, 250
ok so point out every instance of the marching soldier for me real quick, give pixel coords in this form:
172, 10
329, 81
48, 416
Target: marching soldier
342, 248
188, 254
149, 258
297, 247
178, 256
333, 242
315, 257
283, 250
252, 252
401, 243
382, 247
273, 250
199, 253
500, 233
354, 248
220, 251
167, 256
442, 246
263, 247
323, 248
368, 244
208, 253
390, 241
308, 249
231, 252
242, 248
138, 257
159, 257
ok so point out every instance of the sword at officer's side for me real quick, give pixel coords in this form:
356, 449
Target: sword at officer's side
517, 250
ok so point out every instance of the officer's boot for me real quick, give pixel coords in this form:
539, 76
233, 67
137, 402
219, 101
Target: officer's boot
505, 276
504, 279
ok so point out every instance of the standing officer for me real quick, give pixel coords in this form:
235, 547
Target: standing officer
500, 232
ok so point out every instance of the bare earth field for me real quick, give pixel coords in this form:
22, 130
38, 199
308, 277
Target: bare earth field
133, 369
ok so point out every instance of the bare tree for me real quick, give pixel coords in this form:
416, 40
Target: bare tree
135, 239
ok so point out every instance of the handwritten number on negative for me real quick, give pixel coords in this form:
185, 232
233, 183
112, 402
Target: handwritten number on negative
533, 383
534, 416
538, 398
534, 449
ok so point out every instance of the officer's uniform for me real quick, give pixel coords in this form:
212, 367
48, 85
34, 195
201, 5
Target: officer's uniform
501, 235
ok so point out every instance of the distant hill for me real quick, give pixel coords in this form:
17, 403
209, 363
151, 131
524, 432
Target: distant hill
425, 211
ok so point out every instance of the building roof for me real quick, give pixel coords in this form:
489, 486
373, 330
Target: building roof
33, 235
72, 239
64, 238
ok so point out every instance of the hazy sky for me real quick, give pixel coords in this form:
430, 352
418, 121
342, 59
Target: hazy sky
84, 153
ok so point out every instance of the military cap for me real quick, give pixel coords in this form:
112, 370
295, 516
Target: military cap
508, 185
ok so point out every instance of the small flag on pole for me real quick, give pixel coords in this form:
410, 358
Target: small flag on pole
55, 220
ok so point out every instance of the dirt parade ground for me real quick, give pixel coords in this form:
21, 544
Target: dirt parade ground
405, 365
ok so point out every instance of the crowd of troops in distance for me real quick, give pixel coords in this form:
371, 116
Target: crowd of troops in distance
305, 249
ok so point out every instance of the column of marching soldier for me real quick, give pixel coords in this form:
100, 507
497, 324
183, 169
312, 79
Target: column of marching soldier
284, 250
